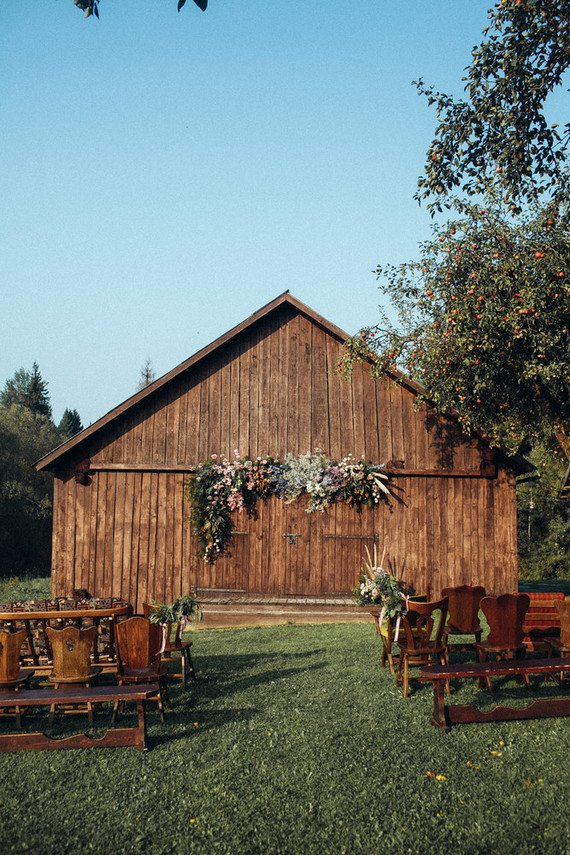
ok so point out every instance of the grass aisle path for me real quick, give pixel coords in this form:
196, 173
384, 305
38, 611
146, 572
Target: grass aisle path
294, 740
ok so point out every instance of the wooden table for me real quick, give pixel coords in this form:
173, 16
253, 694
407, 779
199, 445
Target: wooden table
35, 622
114, 737
444, 716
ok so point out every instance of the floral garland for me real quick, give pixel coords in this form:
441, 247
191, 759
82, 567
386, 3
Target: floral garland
218, 487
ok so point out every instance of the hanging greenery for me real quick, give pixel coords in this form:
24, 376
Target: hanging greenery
218, 487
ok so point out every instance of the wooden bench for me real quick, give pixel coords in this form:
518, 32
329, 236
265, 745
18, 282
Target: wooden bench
541, 620
114, 737
444, 716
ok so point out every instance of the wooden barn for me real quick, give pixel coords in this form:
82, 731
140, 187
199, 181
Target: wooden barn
269, 386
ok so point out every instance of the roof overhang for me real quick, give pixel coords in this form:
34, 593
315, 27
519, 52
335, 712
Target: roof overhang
515, 462
48, 460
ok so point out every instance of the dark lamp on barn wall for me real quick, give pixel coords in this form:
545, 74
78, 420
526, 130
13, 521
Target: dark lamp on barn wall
82, 471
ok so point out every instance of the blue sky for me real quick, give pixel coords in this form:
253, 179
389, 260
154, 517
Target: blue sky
164, 175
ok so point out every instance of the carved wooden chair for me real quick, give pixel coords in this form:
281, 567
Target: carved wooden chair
175, 645
505, 616
139, 659
71, 649
12, 676
463, 618
421, 645
386, 628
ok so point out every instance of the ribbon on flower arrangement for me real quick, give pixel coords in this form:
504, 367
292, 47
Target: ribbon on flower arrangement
399, 618
164, 627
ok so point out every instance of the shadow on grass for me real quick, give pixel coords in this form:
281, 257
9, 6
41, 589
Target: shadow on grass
218, 684
180, 725
239, 661
219, 677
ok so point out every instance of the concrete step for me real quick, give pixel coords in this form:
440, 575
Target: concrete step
224, 615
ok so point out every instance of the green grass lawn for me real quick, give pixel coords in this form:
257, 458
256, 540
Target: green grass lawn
15, 588
294, 740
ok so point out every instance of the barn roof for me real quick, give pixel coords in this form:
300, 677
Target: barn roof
49, 460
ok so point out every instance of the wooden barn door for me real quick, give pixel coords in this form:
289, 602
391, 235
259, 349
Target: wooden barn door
311, 555
343, 556
286, 552
297, 560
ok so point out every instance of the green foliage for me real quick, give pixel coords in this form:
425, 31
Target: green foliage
484, 320
26, 587
543, 520
218, 487
25, 495
27, 432
91, 7
185, 609
378, 587
294, 740
483, 316
499, 136
29, 390
70, 424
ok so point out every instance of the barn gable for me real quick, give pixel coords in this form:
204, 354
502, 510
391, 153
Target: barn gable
269, 386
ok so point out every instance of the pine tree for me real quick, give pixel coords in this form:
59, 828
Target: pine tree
27, 389
70, 424
147, 377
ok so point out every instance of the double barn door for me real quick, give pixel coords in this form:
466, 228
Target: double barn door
285, 551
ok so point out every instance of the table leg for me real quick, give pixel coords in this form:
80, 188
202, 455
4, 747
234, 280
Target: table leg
141, 712
439, 719
387, 651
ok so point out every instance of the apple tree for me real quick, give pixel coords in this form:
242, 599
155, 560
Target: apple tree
483, 324
499, 134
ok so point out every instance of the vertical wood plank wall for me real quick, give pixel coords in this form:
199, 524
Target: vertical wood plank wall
273, 391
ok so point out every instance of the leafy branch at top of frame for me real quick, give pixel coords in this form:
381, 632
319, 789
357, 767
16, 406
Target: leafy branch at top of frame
91, 7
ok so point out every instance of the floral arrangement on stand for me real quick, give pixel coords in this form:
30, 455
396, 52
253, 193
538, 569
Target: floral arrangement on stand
218, 487
181, 611
379, 587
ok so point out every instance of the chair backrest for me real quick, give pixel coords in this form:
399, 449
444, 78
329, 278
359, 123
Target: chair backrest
71, 650
419, 622
464, 603
563, 607
505, 616
138, 643
10, 646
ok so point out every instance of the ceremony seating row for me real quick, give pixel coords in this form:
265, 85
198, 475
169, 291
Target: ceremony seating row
141, 676
513, 625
